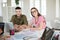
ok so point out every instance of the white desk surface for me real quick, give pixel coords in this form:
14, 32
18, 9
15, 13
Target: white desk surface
26, 34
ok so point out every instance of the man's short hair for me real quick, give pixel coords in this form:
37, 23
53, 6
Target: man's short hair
17, 8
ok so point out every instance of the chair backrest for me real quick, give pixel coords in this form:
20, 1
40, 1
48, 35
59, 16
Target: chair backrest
47, 34
2, 27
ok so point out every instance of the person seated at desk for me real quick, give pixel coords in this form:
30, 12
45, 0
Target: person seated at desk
1, 37
19, 20
38, 21
1, 28
1, 31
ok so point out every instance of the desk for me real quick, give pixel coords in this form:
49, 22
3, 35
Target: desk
27, 34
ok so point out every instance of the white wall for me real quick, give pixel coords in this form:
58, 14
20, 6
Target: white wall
8, 11
0, 8
59, 8
51, 9
26, 8
51, 13
8, 2
1, 18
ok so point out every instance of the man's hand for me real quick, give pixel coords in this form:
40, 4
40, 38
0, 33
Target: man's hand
24, 26
16, 27
20, 27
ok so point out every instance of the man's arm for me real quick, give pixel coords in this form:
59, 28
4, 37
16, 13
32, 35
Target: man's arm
12, 19
16, 27
25, 20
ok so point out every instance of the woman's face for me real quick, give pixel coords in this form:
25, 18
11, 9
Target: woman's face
34, 12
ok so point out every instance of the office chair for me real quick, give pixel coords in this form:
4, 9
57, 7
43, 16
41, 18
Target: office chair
48, 33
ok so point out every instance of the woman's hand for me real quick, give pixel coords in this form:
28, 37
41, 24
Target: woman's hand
34, 29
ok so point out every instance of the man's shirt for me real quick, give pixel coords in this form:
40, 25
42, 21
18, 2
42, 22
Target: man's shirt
19, 20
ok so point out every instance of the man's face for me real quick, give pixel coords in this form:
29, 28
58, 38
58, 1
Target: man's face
18, 12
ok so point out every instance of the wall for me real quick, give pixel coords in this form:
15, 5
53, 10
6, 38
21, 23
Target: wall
26, 8
0, 8
8, 2
8, 11
59, 8
1, 19
50, 11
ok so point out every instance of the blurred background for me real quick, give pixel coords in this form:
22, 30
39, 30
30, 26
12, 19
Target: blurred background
50, 9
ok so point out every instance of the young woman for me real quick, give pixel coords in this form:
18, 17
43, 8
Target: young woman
38, 21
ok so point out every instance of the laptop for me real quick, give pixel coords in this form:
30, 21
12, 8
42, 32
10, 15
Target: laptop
8, 26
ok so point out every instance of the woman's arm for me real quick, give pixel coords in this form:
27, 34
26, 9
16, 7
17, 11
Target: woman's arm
41, 25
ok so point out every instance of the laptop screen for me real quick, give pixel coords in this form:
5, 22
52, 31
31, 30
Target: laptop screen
8, 26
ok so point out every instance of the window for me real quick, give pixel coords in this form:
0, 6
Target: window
57, 8
40, 5
43, 7
37, 4
4, 2
31, 3
14, 5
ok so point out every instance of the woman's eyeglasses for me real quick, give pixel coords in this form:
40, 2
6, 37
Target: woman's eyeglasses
33, 11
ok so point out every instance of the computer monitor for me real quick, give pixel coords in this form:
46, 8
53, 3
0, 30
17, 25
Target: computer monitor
2, 27
8, 26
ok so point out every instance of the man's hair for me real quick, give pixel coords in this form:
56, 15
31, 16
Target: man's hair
17, 8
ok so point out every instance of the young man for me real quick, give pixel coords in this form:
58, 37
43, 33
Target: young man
20, 21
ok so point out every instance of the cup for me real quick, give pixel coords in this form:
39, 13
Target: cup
12, 32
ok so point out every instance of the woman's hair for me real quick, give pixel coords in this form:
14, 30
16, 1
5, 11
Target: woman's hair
36, 10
